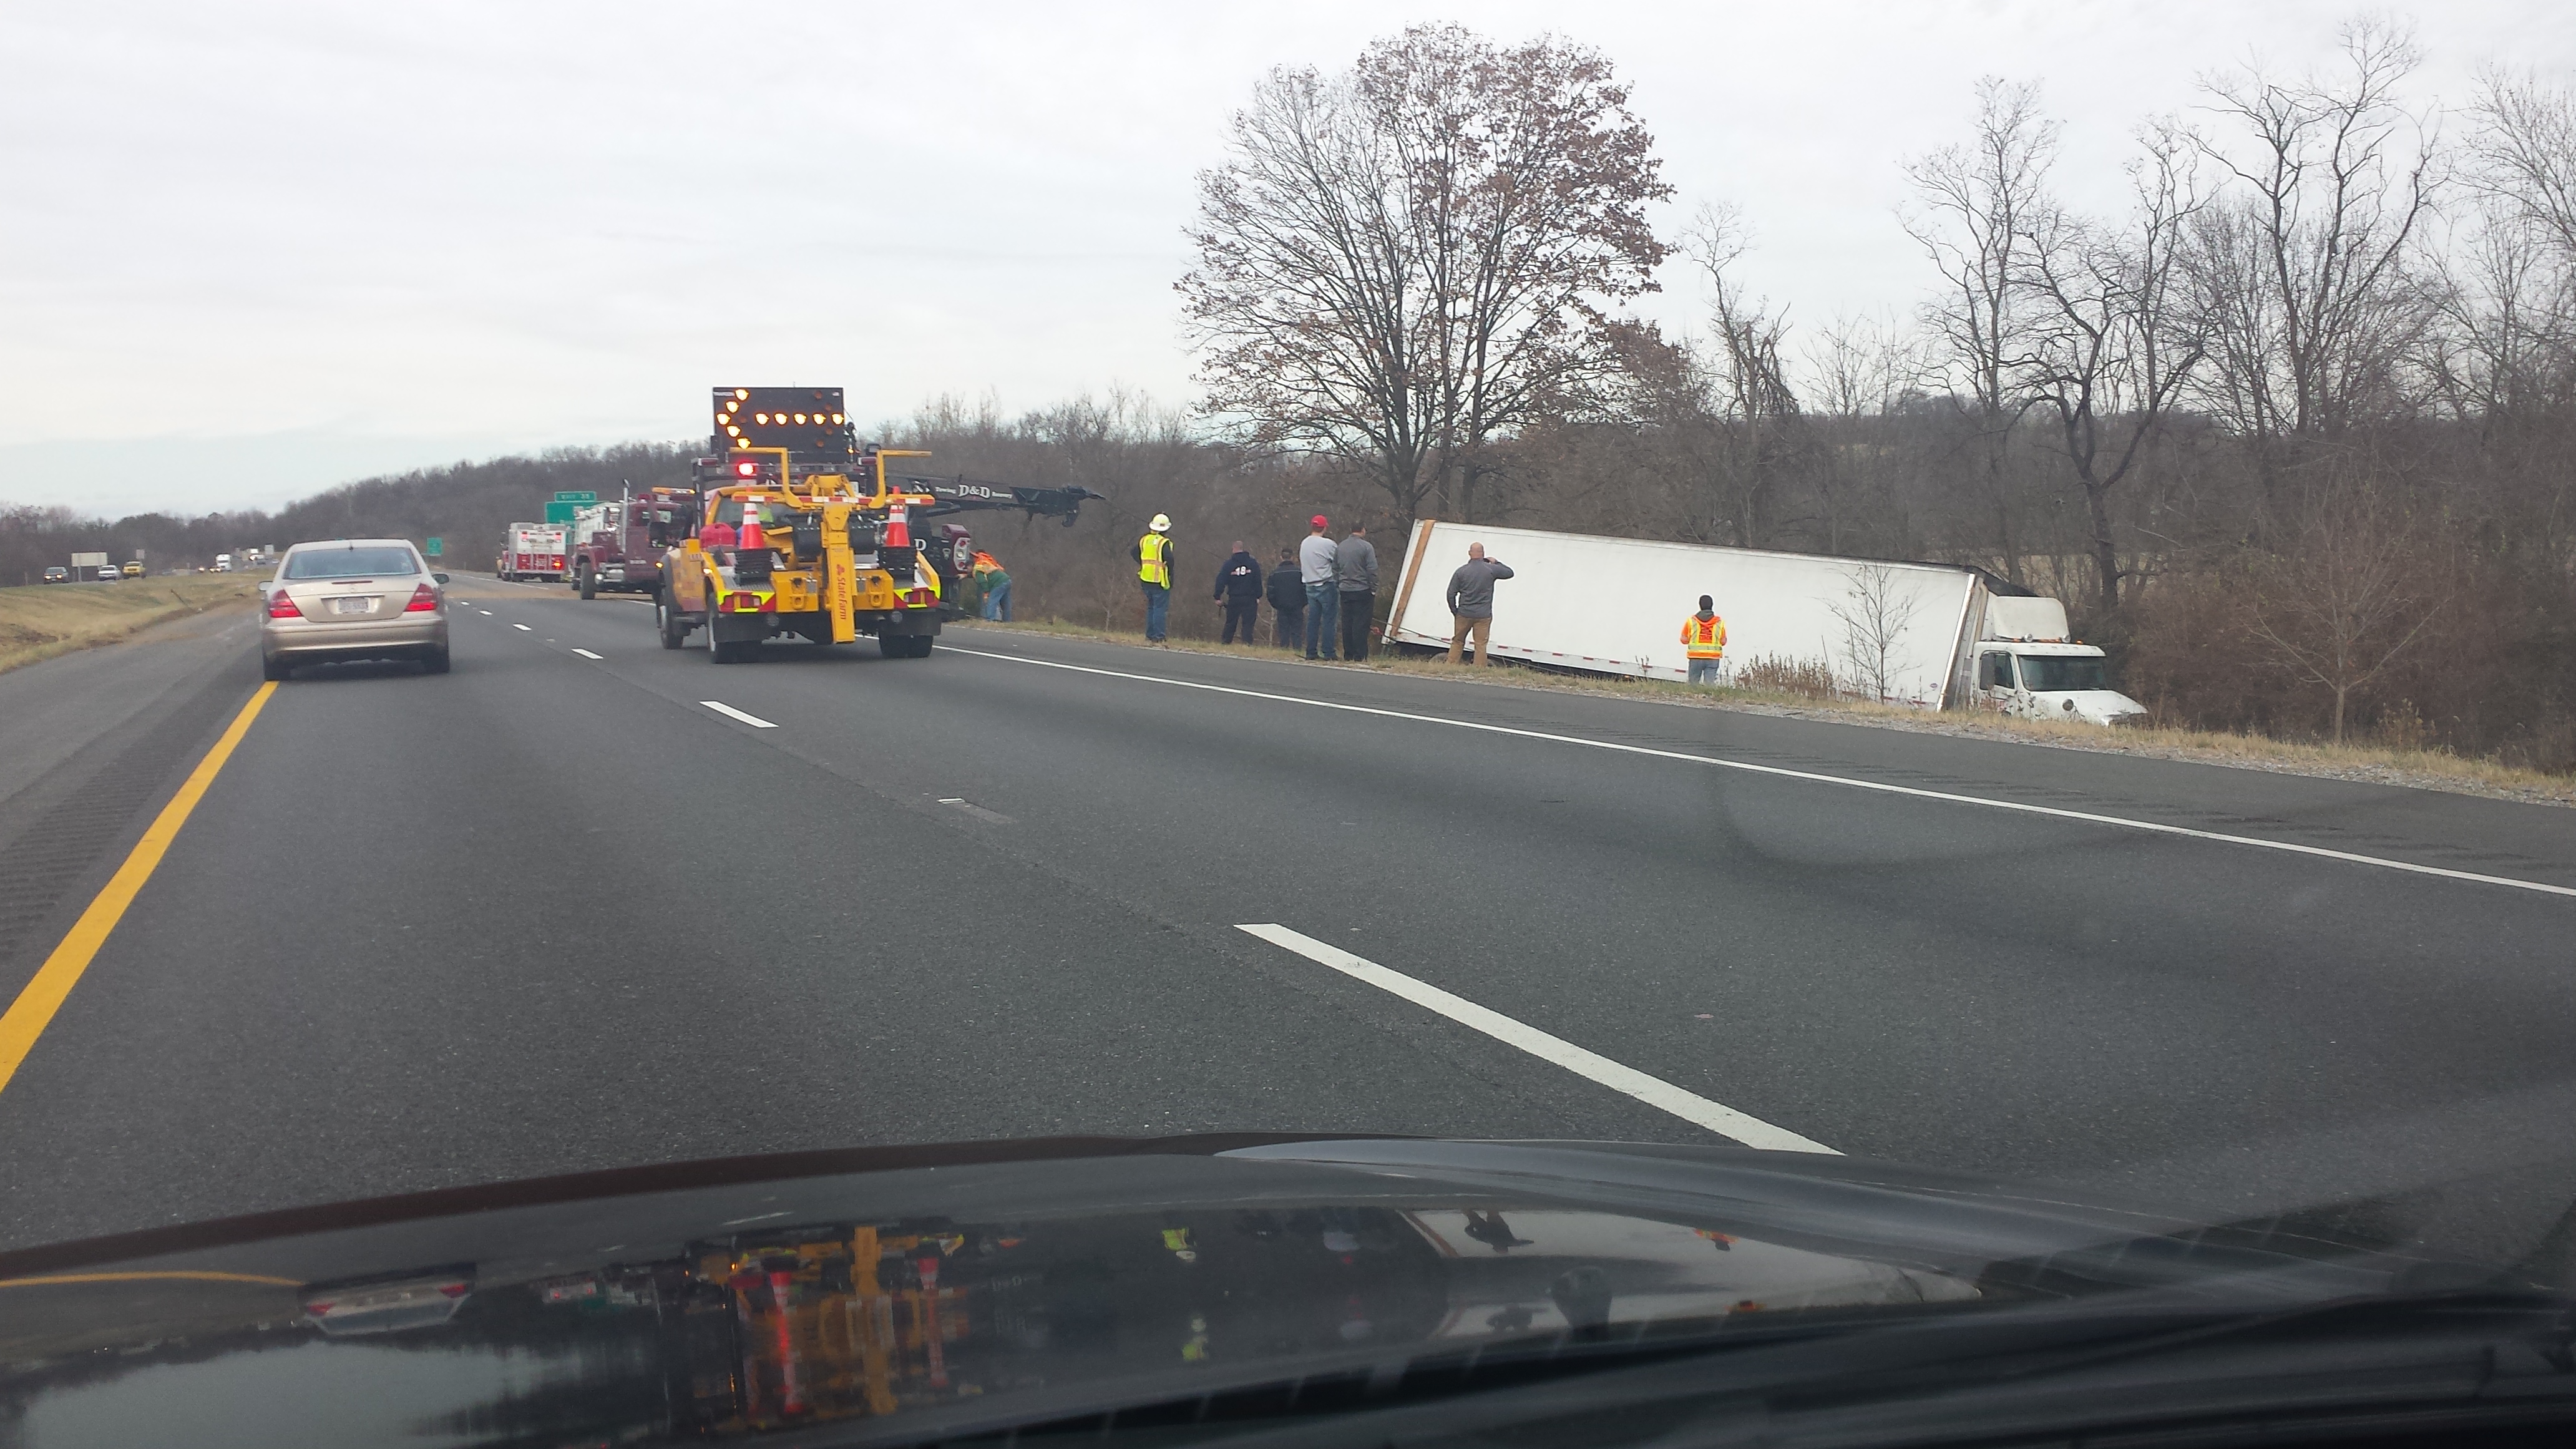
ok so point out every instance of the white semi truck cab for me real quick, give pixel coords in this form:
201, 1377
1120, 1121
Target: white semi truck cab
2027, 667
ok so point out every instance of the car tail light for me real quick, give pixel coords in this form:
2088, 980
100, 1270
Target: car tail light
281, 605
423, 600
452, 1290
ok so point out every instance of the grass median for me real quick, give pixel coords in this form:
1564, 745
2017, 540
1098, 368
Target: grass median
42, 620
2368, 763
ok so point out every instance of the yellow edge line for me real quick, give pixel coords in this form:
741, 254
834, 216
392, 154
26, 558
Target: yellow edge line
34, 1009
196, 1276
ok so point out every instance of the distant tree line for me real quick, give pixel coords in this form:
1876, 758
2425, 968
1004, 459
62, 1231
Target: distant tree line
2293, 432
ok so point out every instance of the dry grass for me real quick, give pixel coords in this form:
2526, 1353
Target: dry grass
43, 620
2377, 764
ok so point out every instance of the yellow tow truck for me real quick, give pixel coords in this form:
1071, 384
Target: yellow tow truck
797, 529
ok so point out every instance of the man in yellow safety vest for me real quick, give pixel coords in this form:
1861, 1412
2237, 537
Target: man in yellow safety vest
1704, 640
1153, 555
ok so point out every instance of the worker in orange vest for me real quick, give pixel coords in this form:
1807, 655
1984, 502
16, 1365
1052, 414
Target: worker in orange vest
1704, 640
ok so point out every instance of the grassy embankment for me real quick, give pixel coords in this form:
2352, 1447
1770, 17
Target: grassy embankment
2380, 764
43, 620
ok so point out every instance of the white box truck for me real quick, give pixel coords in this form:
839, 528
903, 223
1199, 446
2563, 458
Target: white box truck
1933, 636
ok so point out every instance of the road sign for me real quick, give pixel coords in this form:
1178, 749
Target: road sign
560, 512
576, 498
89, 560
436, 546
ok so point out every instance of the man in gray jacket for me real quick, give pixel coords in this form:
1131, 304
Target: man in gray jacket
1355, 562
1471, 603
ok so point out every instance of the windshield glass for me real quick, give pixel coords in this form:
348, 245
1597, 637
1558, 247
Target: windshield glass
1942, 642
348, 563
2059, 671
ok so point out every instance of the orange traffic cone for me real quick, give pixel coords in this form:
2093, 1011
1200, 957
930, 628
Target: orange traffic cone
898, 529
752, 537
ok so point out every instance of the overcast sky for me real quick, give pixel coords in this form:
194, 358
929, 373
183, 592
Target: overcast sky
253, 250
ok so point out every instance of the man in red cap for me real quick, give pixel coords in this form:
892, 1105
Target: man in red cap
1317, 569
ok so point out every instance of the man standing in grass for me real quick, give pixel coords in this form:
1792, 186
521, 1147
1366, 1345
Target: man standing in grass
1355, 569
1704, 640
1153, 556
1317, 568
1471, 603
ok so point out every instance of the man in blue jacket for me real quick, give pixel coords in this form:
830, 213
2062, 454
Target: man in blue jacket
1238, 587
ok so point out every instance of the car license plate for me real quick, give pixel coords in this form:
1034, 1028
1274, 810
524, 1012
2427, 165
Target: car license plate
351, 606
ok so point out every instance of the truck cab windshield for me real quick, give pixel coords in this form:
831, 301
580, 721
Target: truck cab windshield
2046, 672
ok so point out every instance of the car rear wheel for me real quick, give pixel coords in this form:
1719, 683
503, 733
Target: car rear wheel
272, 667
435, 661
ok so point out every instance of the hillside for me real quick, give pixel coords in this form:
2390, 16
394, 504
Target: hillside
466, 504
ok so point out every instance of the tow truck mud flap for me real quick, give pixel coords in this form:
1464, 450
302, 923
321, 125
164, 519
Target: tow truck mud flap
739, 628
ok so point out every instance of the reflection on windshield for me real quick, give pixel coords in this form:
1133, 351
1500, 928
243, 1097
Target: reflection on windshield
2055, 671
833, 1321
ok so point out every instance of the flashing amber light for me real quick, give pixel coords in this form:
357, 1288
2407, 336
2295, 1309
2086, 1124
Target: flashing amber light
800, 419
732, 432
761, 418
742, 394
836, 417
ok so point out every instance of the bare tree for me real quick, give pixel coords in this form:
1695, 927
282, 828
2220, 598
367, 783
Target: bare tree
1874, 616
1755, 410
2346, 597
2525, 145
1977, 207
2303, 270
1402, 264
2114, 336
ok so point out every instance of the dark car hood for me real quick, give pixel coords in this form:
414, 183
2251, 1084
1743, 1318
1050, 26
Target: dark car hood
931, 1292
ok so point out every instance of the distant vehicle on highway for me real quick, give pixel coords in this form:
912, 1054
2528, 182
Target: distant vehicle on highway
58, 575
223, 563
108, 575
132, 568
534, 551
352, 598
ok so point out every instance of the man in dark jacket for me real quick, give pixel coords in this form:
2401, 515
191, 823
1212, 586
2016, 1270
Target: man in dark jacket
1288, 601
1238, 587
1355, 570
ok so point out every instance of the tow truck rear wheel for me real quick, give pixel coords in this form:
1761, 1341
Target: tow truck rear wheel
904, 646
668, 621
588, 583
729, 651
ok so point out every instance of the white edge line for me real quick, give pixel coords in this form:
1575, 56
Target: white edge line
586, 654
2053, 812
1653, 1091
729, 712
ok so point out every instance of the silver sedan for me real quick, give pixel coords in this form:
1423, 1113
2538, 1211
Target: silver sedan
352, 598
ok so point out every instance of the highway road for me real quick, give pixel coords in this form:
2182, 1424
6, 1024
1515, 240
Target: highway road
586, 903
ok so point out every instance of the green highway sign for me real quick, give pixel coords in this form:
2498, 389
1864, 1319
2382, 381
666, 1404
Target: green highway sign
435, 546
560, 512
576, 498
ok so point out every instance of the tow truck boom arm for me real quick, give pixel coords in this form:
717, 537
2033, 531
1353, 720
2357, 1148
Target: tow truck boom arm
961, 494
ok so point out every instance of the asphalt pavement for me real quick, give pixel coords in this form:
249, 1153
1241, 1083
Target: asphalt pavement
586, 903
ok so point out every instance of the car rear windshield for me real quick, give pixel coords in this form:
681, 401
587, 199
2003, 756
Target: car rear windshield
349, 563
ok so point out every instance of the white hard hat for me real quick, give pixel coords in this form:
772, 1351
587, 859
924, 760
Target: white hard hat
1162, 523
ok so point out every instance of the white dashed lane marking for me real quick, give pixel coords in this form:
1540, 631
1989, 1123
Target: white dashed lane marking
968, 807
586, 654
729, 712
522, 626
1653, 1091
